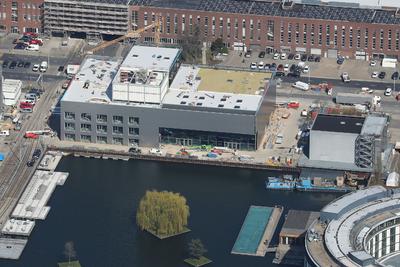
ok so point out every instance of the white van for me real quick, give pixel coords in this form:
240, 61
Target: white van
43, 66
301, 86
32, 47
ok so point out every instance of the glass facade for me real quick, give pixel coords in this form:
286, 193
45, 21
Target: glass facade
195, 138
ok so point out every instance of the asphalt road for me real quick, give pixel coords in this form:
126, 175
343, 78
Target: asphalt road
338, 82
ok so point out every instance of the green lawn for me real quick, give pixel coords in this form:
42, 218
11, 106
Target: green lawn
198, 262
69, 264
185, 230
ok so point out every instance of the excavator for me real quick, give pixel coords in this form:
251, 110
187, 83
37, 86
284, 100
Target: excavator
132, 34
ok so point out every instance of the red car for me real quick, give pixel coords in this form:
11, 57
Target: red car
36, 41
26, 105
31, 135
293, 104
32, 34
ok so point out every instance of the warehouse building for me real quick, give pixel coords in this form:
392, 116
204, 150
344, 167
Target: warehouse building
347, 142
92, 112
11, 90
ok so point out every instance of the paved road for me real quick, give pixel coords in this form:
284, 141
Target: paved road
32, 76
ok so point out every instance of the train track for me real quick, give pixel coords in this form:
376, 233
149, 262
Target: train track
15, 177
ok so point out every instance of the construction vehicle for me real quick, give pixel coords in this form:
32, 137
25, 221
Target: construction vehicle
132, 34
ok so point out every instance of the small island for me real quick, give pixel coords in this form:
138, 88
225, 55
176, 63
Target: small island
196, 251
163, 214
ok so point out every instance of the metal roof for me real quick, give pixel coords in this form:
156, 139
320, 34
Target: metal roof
336, 123
274, 9
298, 221
374, 125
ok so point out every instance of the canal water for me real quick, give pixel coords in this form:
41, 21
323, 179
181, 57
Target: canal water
96, 210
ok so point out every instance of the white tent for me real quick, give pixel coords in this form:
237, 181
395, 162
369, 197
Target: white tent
393, 179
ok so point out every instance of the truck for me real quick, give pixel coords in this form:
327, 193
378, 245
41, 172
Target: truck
345, 77
301, 85
353, 99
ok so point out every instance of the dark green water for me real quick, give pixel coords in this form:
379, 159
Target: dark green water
96, 210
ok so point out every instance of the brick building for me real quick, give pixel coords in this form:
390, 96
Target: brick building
18, 16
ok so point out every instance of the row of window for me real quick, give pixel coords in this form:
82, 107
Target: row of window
102, 139
85, 127
384, 243
101, 118
14, 4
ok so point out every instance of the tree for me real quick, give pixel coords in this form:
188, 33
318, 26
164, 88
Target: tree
217, 46
163, 213
69, 250
196, 248
192, 45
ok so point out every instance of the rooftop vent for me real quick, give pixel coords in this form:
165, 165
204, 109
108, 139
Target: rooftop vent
359, 124
223, 99
183, 103
237, 107
134, 55
201, 97
185, 96
199, 104
239, 101
166, 58
220, 105
287, 4
342, 122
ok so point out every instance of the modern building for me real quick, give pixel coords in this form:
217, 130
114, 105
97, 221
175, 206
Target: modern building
361, 228
124, 102
347, 142
11, 91
18, 16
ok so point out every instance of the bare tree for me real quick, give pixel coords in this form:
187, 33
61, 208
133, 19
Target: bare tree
192, 45
69, 250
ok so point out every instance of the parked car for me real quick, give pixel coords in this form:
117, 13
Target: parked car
374, 74
297, 57
286, 67
317, 59
306, 69
267, 66
20, 64
247, 54
276, 56
382, 75
261, 54
345, 77
12, 65
5, 64
155, 151
37, 153
30, 163
290, 56
310, 58
35, 67
283, 56
293, 104
260, 65
395, 75
60, 68
135, 150
372, 63
36, 41
27, 65
340, 60
20, 46
303, 58
273, 66
388, 91
253, 65
280, 67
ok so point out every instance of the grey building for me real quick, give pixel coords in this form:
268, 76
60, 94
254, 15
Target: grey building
347, 142
88, 113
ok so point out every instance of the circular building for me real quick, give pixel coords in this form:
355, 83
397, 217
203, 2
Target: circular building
361, 228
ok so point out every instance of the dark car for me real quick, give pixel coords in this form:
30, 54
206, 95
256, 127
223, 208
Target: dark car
395, 75
27, 64
317, 59
290, 56
280, 67
5, 64
35, 91
20, 46
20, 64
295, 74
12, 65
273, 66
311, 58
292, 68
135, 150
382, 75
303, 57
340, 60
30, 163
37, 153
267, 66
248, 54
261, 54
60, 68
279, 74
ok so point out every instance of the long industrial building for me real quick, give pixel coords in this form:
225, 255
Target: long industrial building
358, 29
132, 102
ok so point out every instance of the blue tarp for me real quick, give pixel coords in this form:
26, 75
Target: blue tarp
1, 157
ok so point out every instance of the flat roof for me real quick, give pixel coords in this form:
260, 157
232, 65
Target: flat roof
97, 72
298, 221
336, 123
150, 58
194, 78
374, 125
211, 100
274, 9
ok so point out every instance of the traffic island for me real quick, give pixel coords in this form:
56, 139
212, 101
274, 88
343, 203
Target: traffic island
197, 262
69, 264
161, 236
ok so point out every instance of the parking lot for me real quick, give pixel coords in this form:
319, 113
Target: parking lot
327, 68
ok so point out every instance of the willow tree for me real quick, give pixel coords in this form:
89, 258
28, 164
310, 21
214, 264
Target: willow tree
163, 213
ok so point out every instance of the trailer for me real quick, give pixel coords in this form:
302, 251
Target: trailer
353, 99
